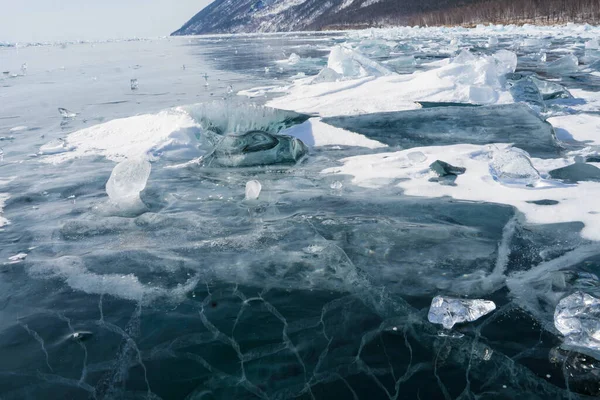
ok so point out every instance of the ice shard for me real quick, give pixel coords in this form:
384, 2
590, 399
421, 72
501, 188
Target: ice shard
448, 311
577, 318
255, 148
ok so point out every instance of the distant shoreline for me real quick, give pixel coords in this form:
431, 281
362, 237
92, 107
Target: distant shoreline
471, 25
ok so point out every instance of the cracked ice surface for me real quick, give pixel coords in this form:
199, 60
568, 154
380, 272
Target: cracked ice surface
320, 286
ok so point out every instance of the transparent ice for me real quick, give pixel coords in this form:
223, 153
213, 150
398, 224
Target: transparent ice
255, 148
512, 166
577, 318
448, 311
127, 180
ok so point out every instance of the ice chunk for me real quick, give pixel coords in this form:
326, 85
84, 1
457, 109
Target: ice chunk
255, 148
17, 257
403, 62
525, 90
294, 59
464, 57
253, 189
127, 180
551, 90
444, 169
416, 157
483, 94
566, 64
448, 311
512, 166
66, 113
327, 75
350, 63
492, 41
226, 117
577, 318
592, 45
577, 172
506, 61
533, 42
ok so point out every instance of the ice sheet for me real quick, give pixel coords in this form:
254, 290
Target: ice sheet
575, 202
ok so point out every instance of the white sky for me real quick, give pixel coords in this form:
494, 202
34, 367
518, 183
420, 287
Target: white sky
52, 20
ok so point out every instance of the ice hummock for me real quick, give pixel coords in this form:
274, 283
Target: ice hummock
363, 86
352, 64
577, 318
512, 166
253, 189
448, 311
126, 181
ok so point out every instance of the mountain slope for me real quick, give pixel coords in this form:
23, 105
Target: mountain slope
237, 16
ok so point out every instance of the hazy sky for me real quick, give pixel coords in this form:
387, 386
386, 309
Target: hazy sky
50, 20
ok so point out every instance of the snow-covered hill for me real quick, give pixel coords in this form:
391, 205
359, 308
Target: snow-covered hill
237, 16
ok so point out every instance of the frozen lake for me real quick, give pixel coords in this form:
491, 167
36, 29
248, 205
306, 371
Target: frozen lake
397, 170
